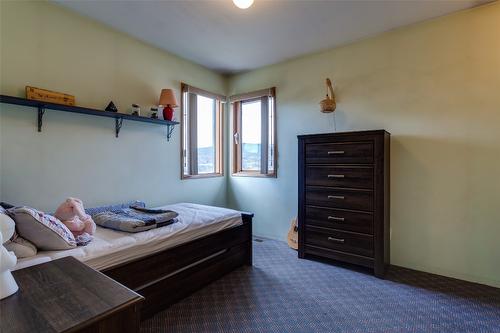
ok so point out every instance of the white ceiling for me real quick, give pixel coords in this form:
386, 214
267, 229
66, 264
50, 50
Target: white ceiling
216, 34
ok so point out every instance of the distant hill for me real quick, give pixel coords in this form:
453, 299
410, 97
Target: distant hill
251, 158
206, 160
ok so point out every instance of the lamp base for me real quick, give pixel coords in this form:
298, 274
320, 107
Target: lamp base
8, 285
168, 113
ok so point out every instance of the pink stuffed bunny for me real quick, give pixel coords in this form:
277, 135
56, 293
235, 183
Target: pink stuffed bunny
72, 214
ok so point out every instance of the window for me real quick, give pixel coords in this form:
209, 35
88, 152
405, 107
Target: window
254, 134
201, 133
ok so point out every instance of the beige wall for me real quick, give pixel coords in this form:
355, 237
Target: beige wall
46, 46
436, 87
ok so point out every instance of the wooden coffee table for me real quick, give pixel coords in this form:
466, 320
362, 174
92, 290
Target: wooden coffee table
65, 295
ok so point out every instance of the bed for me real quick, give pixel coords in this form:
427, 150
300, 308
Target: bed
168, 263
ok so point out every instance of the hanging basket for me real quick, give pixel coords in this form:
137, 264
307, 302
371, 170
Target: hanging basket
328, 105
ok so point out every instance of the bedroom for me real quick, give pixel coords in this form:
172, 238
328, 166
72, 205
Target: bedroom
426, 72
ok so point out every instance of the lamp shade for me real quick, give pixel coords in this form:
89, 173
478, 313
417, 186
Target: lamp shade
167, 97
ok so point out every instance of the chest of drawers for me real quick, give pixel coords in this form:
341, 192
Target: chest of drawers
343, 210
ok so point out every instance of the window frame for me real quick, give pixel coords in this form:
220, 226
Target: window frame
237, 101
220, 101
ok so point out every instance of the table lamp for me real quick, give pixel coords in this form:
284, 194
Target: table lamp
168, 101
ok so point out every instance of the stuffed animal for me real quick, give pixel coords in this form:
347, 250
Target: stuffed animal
72, 214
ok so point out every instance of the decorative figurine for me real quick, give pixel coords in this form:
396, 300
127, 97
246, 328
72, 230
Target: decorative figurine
136, 110
111, 107
154, 112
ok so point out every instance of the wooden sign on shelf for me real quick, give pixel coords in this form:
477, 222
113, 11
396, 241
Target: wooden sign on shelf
44, 95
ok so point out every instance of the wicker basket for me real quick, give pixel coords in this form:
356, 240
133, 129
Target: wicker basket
328, 105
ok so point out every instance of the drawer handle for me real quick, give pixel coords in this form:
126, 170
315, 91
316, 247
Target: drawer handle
336, 152
336, 176
341, 197
337, 240
336, 218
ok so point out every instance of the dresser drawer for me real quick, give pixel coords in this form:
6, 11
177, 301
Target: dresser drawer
339, 219
339, 240
339, 255
340, 153
340, 176
339, 198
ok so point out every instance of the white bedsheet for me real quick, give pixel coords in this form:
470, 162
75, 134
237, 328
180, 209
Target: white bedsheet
111, 247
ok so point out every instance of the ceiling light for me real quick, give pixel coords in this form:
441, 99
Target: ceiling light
243, 4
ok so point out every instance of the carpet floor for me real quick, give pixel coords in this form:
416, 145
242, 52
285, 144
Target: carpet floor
281, 293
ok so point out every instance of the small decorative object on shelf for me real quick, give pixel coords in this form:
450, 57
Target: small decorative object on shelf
168, 101
136, 110
328, 105
43, 95
111, 107
154, 112
8, 260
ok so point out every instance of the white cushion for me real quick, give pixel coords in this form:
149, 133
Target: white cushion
21, 247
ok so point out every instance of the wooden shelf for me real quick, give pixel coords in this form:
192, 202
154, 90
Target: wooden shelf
119, 117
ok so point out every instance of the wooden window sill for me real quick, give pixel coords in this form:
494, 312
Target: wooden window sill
254, 174
208, 175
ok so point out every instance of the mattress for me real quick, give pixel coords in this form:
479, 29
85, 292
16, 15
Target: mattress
110, 247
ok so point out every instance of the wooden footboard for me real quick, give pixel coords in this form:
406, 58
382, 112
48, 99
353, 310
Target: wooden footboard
168, 276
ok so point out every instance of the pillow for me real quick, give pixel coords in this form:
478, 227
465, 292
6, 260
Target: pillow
21, 247
111, 208
43, 230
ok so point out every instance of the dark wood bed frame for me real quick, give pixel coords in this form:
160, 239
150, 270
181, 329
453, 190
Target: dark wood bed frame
170, 275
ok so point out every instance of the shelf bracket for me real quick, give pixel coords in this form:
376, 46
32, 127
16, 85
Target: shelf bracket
41, 112
118, 126
170, 130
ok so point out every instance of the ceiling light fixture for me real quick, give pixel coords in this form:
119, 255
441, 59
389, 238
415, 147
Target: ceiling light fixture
243, 4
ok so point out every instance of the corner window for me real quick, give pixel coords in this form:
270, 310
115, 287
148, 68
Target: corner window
201, 133
254, 134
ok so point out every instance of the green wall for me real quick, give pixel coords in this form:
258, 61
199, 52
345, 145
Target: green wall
46, 46
436, 87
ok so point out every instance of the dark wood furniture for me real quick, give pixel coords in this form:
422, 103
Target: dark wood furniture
65, 295
343, 211
119, 117
168, 276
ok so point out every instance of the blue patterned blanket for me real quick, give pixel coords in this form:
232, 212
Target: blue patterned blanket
134, 220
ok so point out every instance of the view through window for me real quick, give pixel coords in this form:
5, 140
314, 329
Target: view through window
206, 134
254, 149
251, 135
201, 133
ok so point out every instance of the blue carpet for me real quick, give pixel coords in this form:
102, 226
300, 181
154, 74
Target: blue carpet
281, 293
